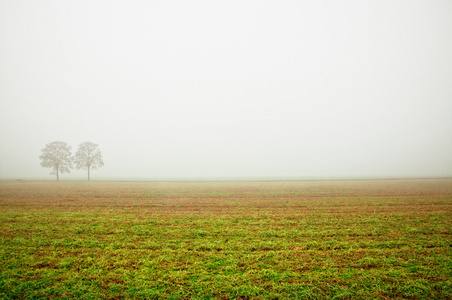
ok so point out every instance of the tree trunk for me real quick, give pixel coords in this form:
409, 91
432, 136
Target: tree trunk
88, 173
58, 176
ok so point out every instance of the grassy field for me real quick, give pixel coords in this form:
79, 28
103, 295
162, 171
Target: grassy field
230, 240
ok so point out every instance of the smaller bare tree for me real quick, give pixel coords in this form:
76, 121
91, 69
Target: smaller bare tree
88, 157
57, 155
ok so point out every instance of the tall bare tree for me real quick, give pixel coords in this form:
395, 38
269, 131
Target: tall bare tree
57, 156
88, 156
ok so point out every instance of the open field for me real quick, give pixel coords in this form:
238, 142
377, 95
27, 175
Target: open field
230, 240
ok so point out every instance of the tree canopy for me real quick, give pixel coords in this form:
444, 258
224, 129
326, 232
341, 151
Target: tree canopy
88, 157
57, 156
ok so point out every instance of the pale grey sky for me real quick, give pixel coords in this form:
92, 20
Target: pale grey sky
229, 89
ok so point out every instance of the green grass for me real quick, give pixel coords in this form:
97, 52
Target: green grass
243, 240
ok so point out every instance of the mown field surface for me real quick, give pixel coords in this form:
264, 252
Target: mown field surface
231, 240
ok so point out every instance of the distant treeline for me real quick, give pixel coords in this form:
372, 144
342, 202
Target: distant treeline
58, 157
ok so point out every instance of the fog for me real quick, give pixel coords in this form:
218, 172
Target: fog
228, 89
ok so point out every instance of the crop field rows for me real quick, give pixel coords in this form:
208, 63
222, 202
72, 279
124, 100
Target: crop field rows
370, 239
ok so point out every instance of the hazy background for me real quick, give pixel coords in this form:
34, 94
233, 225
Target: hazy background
229, 89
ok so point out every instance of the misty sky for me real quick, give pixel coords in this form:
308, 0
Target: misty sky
229, 89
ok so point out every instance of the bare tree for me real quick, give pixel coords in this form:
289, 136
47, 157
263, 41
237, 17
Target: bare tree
88, 157
57, 155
